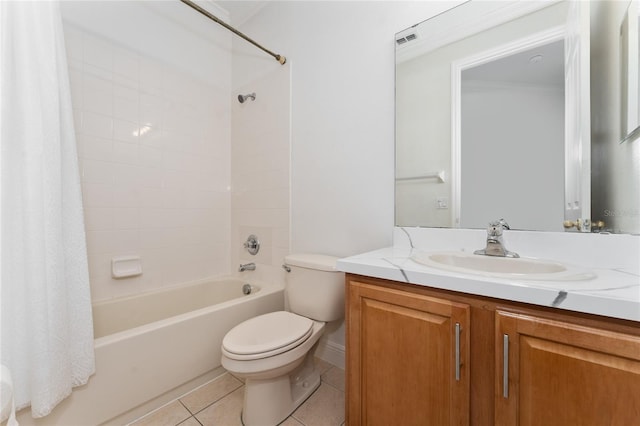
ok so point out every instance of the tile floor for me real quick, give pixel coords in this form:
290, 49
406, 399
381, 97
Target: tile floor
219, 403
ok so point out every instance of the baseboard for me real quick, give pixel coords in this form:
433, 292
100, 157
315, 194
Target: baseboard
331, 352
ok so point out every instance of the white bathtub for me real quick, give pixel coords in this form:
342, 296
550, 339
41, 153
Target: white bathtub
153, 347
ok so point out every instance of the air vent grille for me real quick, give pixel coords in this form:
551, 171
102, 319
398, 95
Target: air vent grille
407, 38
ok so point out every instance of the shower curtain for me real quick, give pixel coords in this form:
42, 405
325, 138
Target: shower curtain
46, 331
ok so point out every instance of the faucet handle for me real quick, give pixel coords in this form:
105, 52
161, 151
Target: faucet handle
501, 222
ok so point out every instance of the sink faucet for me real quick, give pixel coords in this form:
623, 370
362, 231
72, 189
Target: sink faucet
247, 267
495, 245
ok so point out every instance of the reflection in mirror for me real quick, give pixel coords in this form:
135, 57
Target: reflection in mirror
490, 124
517, 97
630, 72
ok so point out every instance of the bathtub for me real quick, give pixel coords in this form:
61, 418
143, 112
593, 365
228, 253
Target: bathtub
153, 347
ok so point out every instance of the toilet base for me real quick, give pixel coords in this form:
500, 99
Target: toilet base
268, 402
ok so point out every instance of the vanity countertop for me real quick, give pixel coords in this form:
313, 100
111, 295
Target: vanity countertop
614, 292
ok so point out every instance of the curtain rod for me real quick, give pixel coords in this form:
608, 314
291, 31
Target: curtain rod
206, 13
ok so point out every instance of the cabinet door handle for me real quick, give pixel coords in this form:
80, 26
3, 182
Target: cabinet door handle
505, 366
458, 328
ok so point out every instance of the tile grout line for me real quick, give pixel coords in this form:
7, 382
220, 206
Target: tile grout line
241, 384
215, 401
182, 403
333, 386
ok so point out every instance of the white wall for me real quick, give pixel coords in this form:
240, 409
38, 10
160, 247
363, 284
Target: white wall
342, 115
151, 98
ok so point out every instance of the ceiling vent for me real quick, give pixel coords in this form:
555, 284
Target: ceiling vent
406, 38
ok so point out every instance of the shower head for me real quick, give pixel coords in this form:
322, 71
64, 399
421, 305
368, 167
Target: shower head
242, 98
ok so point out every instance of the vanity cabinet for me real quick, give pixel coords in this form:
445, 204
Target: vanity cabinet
408, 353
561, 367
558, 373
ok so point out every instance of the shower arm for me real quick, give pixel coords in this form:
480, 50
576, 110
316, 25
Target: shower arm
214, 18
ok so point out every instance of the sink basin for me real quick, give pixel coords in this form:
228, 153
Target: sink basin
502, 267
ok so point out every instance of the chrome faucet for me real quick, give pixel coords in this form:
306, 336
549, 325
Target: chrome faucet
247, 267
495, 245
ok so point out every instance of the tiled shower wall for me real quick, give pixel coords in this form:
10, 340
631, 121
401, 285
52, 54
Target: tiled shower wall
154, 148
260, 174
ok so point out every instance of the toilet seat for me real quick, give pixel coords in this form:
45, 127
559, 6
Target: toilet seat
266, 335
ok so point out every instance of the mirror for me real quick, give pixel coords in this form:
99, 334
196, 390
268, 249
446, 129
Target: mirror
630, 87
495, 103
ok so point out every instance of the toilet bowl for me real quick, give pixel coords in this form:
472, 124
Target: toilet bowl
273, 352
271, 391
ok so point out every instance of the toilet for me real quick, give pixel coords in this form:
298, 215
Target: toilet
273, 353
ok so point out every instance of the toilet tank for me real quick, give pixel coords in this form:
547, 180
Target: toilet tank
315, 288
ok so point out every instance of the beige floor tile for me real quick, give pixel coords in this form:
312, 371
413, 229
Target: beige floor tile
324, 408
334, 377
224, 412
169, 415
211, 392
191, 421
322, 365
291, 422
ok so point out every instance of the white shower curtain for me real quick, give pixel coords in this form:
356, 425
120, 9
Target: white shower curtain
46, 329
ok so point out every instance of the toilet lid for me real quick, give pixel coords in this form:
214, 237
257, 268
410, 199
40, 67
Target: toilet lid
267, 335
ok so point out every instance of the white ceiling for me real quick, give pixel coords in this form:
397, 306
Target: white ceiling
520, 69
240, 11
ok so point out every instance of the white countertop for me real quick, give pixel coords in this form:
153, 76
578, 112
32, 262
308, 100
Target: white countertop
614, 292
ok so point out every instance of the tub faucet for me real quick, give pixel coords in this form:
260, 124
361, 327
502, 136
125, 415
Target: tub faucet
247, 267
495, 245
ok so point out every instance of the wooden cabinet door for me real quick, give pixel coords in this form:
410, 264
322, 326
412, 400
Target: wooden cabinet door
556, 373
405, 365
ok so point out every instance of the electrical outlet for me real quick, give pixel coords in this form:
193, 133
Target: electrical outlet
442, 203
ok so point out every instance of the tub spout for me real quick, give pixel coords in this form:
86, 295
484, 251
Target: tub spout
247, 267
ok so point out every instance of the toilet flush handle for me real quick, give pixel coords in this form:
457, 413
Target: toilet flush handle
286, 268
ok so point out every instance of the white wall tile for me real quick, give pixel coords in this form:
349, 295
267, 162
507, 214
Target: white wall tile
125, 63
94, 171
125, 153
125, 196
150, 156
98, 72
260, 159
75, 80
150, 72
150, 177
97, 195
100, 276
126, 218
123, 81
98, 52
96, 148
99, 218
153, 239
125, 103
125, 131
73, 39
150, 197
97, 95
126, 175
173, 197
77, 119
148, 188
97, 124
151, 110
